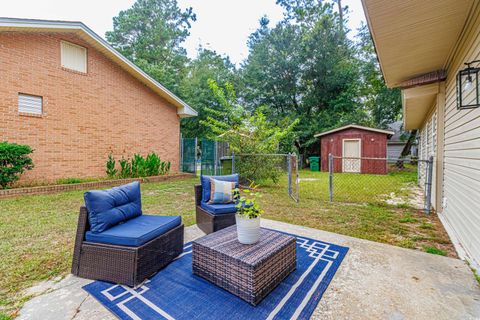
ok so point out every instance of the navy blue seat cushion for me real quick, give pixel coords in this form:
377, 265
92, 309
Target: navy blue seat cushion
135, 232
206, 188
218, 208
107, 208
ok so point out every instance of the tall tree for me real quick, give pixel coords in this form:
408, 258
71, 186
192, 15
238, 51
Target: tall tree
150, 34
196, 91
250, 134
304, 67
383, 104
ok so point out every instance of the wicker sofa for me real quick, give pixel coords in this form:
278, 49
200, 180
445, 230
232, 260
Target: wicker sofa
207, 217
126, 259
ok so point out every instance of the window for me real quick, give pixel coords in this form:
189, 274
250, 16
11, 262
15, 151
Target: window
29, 104
73, 57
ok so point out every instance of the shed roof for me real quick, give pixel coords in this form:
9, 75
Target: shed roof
80, 29
354, 126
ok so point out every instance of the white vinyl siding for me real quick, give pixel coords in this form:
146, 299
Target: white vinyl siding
461, 187
428, 148
73, 57
29, 104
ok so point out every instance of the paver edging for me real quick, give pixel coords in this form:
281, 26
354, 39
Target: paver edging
8, 193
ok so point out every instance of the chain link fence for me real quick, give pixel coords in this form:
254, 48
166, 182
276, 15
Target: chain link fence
188, 155
279, 169
380, 180
211, 157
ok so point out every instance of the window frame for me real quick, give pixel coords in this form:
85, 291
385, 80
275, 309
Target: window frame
37, 114
62, 42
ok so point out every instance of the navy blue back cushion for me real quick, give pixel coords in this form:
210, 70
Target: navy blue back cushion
107, 208
206, 188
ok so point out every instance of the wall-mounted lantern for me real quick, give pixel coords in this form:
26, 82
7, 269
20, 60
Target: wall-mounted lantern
467, 86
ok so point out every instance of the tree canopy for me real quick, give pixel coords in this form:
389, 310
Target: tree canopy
150, 34
306, 67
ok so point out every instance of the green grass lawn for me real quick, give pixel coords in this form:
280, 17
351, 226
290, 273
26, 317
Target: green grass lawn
37, 232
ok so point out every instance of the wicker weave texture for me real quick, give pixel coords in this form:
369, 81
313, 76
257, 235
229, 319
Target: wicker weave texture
120, 264
247, 271
208, 222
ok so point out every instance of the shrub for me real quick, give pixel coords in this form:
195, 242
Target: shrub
125, 168
167, 168
140, 166
111, 171
14, 160
153, 164
249, 134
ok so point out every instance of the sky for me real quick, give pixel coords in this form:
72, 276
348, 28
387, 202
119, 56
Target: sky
222, 25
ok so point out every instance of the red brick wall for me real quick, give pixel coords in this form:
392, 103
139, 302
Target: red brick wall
85, 116
373, 145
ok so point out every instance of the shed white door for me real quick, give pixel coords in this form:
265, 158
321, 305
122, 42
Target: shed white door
351, 155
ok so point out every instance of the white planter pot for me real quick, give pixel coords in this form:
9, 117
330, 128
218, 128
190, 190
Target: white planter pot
248, 230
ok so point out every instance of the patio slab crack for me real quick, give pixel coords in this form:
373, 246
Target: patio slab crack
77, 310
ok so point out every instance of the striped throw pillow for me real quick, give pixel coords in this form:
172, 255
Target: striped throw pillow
221, 191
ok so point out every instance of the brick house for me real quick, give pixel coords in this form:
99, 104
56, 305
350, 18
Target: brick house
74, 99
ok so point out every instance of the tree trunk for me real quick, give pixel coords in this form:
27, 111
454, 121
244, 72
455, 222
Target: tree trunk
340, 15
407, 149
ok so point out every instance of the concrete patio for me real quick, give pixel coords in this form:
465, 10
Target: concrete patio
375, 281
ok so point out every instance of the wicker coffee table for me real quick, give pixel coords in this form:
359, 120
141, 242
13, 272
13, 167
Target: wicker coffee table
247, 271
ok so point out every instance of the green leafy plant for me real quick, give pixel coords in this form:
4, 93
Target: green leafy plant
153, 164
125, 168
111, 171
164, 167
167, 168
251, 135
138, 166
14, 160
434, 250
247, 204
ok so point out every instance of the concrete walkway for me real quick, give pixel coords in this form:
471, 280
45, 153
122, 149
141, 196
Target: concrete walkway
375, 281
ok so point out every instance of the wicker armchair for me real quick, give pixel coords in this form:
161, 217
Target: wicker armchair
123, 264
208, 222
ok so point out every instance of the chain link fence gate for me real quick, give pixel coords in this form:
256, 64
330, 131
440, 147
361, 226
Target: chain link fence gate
216, 158
425, 177
379, 180
208, 158
188, 155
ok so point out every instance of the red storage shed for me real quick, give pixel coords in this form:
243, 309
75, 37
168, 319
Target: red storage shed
356, 149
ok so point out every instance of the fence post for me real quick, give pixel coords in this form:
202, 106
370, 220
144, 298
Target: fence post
289, 164
181, 154
330, 176
297, 185
195, 164
233, 162
418, 171
215, 158
428, 185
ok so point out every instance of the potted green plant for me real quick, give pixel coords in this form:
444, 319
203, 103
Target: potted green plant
248, 215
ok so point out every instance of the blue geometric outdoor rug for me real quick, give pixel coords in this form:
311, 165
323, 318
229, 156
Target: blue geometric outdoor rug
175, 293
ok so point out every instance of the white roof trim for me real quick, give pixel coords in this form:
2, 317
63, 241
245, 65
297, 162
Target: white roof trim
354, 126
13, 24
